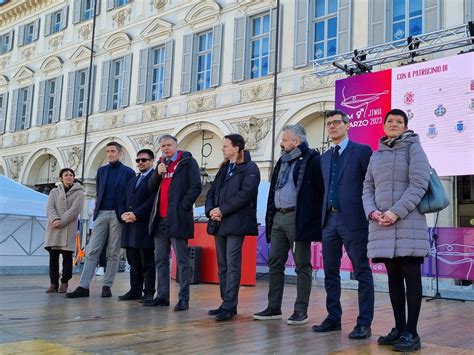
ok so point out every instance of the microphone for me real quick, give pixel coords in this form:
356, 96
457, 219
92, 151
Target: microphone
166, 162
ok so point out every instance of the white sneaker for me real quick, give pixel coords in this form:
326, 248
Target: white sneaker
100, 271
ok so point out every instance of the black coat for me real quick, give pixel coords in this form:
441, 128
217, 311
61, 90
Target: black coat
310, 192
236, 197
184, 190
139, 201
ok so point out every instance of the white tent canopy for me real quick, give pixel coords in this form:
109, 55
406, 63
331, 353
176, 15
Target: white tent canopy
22, 228
17, 199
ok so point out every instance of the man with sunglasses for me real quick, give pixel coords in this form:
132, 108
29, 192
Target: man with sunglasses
344, 223
135, 212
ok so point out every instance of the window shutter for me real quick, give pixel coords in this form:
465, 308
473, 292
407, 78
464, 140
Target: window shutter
344, 15
272, 55
469, 11
64, 17
10, 42
377, 22
3, 113
36, 29
97, 9
216, 55
186, 65
71, 80
110, 5
240, 34
21, 35
300, 55
57, 99
76, 14
47, 24
90, 104
127, 72
142, 75
13, 113
169, 45
104, 86
29, 105
40, 111
431, 16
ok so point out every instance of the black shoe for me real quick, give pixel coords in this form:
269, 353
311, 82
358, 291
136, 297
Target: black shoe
106, 292
407, 342
360, 332
78, 292
146, 298
327, 325
389, 339
298, 318
215, 312
156, 302
268, 314
131, 295
181, 306
225, 315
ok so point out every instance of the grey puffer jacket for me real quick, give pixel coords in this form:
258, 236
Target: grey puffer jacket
391, 183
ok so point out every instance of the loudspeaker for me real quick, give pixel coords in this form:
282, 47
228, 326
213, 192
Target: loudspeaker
195, 257
195, 254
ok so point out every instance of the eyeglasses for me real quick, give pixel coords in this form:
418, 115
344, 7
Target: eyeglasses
141, 160
334, 123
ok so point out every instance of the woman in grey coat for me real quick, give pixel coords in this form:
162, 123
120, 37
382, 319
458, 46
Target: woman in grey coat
396, 180
64, 206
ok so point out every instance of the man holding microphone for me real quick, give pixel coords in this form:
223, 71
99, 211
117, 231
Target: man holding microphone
178, 183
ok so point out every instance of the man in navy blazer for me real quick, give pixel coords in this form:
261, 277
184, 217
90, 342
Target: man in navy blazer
111, 184
135, 210
344, 223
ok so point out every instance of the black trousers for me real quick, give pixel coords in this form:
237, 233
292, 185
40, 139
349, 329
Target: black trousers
54, 266
142, 269
229, 263
404, 286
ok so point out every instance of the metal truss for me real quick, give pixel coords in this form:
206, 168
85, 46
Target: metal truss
362, 60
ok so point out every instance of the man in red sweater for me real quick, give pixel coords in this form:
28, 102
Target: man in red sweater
178, 184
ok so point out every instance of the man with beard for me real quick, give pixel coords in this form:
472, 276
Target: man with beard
293, 221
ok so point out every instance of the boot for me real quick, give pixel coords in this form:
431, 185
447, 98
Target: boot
52, 288
63, 287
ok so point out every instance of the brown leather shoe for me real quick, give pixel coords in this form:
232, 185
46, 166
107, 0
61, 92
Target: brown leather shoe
52, 288
106, 292
62, 288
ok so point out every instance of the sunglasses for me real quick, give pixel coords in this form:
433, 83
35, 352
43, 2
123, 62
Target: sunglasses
142, 160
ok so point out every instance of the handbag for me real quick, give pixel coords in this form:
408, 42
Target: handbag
435, 198
212, 227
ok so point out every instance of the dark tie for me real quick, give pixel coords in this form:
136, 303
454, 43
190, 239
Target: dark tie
336, 152
139, 180
231, 167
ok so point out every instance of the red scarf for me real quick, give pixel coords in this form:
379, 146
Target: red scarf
165, 186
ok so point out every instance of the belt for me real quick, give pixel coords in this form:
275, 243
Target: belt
286, 210
333, 209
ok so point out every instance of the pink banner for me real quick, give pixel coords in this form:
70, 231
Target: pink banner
365, 99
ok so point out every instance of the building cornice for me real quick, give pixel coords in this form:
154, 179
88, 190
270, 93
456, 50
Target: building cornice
18, 9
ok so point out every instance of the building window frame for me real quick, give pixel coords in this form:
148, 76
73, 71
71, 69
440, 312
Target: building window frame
157, 68
406, 17
116, 83
259, 39
6, 42
324, 19
203, 60
22, 109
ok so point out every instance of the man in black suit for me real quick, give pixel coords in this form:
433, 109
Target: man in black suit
135, 210
344, 223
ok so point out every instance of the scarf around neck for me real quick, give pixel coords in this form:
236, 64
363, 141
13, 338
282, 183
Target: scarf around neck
286, 159
390, 142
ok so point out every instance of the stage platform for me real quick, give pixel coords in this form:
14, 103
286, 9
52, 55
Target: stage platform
34, 322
